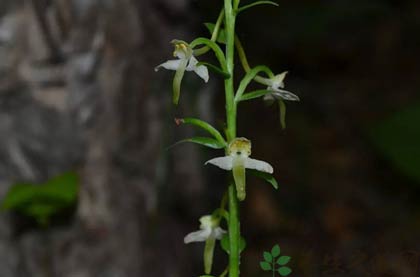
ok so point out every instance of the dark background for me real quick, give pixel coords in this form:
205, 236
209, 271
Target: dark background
81, 95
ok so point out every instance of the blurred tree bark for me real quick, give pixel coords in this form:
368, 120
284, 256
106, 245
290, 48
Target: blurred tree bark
75, 92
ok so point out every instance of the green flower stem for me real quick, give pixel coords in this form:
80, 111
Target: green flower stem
244, 61
234, 232
249, 77
241, 54
243, 8
233, 224
236, 4
229, 86
214, 35
211, 44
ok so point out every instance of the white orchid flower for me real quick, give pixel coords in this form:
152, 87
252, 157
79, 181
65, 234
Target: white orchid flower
185, 62
276, 85
238, 160
209, 232
209, 229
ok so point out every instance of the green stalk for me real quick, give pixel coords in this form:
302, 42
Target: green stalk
234, 232
205, 49
229, 88
234, 227
245, 64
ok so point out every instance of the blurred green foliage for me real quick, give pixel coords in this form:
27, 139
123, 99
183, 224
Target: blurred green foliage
42, 201
398, 138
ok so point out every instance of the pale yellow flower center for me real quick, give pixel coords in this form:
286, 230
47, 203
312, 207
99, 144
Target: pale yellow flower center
181, 49
240, 146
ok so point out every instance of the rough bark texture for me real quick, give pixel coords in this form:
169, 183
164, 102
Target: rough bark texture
76, 93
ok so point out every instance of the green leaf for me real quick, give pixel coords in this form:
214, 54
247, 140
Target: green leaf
243, 8
267, 257
283, 260
215, 69
397, 138
242, 244
63, 187
282, 109
203, 125
221, 38
265, 176
208, 142
18, 195
284, 271
43, 200
224, 243
265, 266
62, 190
254, 94
275, 251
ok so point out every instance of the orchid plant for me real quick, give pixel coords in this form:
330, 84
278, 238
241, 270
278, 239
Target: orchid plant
224, 43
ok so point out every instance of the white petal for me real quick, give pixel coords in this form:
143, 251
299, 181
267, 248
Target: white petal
258, 165
286, 95
222, 162
201, 70
170, 65
278, 80
201, 235
180, 54
218, 233
192, 63
206, 222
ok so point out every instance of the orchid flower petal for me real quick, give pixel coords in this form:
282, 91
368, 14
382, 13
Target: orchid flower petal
203, 72
278, 80
218, 233
225, 163
201, 235
170, 65
258, 165
200, 70
286, 95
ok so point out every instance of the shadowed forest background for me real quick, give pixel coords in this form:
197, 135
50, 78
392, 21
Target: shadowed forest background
79, 96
